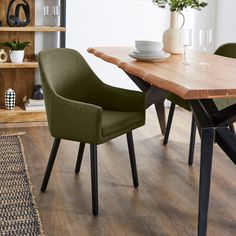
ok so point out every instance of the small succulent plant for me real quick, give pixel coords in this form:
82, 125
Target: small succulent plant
15, 45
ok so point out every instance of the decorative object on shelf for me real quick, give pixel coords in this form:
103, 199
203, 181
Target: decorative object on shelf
15, 20
0, 23
17, 56
171, 37
10, 99
51, 14
3, 56
38, 92
35, 105
16, 50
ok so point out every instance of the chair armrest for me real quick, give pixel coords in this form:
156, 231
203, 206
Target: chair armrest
73, 120
119, 99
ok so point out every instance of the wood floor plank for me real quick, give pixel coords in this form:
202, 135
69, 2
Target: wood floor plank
165, 203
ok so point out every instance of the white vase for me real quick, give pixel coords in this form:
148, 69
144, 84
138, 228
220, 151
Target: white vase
171, 37
17, 56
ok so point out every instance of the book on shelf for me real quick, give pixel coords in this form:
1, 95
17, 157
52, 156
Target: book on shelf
34, 105
35, 102
34, 108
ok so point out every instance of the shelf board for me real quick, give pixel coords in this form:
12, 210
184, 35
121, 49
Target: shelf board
33, 29
23, 65
20, 115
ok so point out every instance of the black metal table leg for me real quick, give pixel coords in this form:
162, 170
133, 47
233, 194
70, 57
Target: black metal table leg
231, 127
207, 141
160, 110
169, 122
155, 96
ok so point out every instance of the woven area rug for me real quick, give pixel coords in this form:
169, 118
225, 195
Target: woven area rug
18, 212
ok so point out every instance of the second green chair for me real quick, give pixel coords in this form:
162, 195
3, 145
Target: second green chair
226, 50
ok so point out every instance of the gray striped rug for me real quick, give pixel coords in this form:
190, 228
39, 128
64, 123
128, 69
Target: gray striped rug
18, 212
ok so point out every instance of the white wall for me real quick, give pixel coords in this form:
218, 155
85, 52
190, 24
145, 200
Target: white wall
43, 39
226, 18
205, 19
112, 23
220, 16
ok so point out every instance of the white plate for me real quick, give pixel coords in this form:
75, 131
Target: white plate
154, 53
150, 58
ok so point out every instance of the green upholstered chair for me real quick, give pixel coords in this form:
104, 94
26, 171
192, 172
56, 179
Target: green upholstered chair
80, 107
226, 50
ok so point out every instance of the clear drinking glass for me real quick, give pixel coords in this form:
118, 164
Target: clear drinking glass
205, 41
51, 15
56, 10
46, 10
186, 40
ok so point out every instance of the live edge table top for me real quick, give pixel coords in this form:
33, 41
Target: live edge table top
194, 81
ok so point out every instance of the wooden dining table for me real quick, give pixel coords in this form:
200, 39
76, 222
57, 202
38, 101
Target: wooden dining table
199, 84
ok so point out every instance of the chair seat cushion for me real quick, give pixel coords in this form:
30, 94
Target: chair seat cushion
222, 103
115, 123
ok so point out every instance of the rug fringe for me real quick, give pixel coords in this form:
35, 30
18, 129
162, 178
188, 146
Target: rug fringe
12, 133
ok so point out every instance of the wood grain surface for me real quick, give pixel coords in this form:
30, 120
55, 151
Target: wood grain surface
10, 65
20, 115
33, 29
166, 202
187, 81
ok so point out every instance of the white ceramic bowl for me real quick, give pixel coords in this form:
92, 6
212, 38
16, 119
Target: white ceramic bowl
148, 46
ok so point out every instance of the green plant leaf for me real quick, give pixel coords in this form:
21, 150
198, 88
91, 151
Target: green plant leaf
15, 45
179, 5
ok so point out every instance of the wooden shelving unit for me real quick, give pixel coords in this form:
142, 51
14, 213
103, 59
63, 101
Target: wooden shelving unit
33, 29
20, 115
20, 77
24, 65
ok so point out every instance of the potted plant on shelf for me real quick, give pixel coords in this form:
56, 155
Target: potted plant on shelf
171, 37
16, 50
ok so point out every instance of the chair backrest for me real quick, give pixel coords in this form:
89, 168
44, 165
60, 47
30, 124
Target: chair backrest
66, 73
227, 50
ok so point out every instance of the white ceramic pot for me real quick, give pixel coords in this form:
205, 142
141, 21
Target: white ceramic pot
171, 37
17, 56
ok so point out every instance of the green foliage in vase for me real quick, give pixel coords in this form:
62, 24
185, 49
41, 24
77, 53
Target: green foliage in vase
179, 5
15, 45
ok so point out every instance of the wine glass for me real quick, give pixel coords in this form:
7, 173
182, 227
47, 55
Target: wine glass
186, 40
205, 40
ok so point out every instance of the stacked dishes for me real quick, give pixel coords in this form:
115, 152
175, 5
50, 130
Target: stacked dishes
149, 51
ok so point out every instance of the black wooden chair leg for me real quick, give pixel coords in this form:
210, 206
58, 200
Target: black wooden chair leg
231, 127
169, 122
192, 141
132, 159
79, 157
50, 164
94, 178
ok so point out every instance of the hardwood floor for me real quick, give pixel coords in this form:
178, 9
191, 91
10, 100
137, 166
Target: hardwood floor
165, 202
